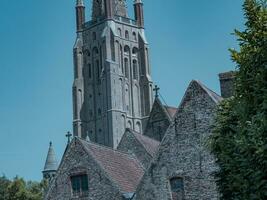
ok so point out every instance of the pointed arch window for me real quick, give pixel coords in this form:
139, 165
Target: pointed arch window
135, 70
126, 67
127, 35
119, 32
134, 36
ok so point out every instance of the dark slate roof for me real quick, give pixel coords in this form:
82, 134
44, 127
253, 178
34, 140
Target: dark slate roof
123, 169
148, 143
171, 110
51, 161
216, 98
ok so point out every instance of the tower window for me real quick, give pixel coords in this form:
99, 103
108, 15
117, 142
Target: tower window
94, 35
90, 70
135, 70
127, 35
134, 36
119, 32
177, 188
126, 67
99, 111
79, 185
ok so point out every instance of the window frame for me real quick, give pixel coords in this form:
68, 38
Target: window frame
82, 187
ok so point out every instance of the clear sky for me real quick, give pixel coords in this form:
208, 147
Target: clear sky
188, 40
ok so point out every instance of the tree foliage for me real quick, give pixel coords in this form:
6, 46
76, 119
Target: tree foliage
239, 139
19, 189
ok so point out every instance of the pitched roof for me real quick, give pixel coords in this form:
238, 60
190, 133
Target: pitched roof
171, 110
148, 143
51, 161
217, 98
124, 169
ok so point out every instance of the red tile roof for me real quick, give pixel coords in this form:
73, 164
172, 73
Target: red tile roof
124, 169
148, 143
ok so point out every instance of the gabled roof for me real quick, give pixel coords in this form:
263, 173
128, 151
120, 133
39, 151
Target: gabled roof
216, 98
123, 169
51, 161
171, 110
150, 145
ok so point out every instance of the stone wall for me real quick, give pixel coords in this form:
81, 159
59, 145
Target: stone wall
183, 153
130, 144
158, 122
77, 161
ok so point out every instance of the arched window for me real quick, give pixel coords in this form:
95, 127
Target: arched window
134, 36
127, 35
95, 51
135, 51
135, 70
126, 67
177, 188
119, 32
127, 49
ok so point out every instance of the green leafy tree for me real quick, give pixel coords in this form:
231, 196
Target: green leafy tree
239, 141
4, 183
19, 189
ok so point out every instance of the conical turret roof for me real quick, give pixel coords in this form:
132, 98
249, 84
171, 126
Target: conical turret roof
51, 161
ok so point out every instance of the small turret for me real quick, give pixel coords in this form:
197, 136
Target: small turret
51, 165
139, 13
80, 15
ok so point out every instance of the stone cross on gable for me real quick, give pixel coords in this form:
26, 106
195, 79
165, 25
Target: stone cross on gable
68, 135
156, 90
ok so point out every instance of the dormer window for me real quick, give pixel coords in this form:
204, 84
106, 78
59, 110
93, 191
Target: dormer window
79, 184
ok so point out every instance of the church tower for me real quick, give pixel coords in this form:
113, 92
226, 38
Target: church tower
112, 87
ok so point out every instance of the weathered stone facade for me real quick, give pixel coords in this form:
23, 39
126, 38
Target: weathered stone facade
105, 182
122, 149
182, 152
143, 147
113, 88
159, 120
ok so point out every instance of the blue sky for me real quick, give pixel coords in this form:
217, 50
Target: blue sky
188, 40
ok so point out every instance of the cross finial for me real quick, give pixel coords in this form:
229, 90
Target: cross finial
68, 135
156, 90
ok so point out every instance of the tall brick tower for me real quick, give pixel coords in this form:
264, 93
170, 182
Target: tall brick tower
112, 87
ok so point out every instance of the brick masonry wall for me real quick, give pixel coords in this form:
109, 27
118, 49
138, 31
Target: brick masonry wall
183, 153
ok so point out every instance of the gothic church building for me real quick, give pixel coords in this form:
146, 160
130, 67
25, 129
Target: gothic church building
127, 144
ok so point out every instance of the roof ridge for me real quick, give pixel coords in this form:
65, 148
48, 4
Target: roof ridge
142, 135
108, 148
216, 97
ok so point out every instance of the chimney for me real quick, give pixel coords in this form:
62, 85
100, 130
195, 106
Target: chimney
227, 83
